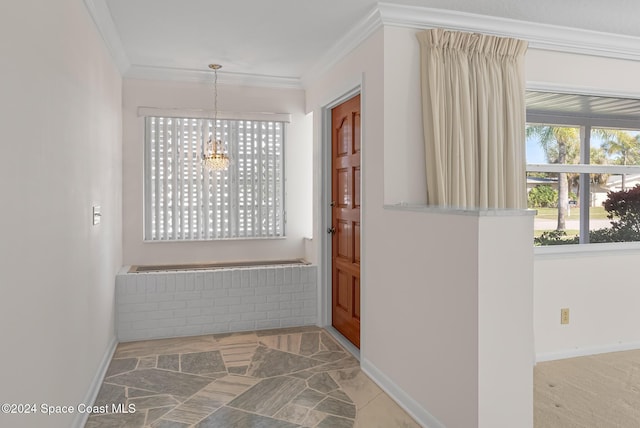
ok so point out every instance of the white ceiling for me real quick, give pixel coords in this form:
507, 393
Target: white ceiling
287, 39
583, 106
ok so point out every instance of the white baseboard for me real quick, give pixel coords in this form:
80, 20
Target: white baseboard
343, 341
90, 397
411, 406
583, 352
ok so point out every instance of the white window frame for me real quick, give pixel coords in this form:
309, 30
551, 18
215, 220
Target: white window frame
177, 204
584, 168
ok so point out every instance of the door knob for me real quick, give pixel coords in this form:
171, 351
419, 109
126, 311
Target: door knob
331, 230
332, 204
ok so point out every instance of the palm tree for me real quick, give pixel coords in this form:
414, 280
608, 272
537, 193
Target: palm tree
598, 156
624, 146
561, 145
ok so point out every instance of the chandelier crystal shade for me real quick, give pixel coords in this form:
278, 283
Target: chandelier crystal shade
213, 158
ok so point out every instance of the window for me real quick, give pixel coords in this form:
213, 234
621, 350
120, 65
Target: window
580, 150
184, 201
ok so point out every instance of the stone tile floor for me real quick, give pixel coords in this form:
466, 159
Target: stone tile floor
298, 377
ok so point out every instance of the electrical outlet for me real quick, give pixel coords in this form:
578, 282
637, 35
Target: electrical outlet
564, 316
97, 214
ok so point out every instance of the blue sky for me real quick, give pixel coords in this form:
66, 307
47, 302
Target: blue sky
535, 154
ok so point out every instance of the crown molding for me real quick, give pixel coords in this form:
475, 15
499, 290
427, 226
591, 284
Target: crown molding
101, 16
539, 36
205, 75
347, 43
210, 114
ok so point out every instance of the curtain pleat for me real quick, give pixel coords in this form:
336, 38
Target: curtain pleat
474, 119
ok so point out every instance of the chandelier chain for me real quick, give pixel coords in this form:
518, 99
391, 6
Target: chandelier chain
215, 104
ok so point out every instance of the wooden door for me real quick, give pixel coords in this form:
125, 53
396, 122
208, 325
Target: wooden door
345, 218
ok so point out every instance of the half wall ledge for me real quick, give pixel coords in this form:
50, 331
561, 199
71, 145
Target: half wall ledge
476, 212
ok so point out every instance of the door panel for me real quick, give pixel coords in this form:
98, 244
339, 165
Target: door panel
356, 187
344, 195
343, 300
345, 218
356, 301
356, 242
356, 131
344, 137
344, 241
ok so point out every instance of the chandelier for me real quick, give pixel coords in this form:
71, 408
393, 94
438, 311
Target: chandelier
213, 157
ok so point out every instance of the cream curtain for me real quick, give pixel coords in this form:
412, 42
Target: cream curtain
474, 119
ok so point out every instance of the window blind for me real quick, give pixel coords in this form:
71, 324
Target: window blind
184, 201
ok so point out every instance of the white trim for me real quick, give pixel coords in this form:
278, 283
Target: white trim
101, 16
239, 238
325, 298
539, 36
583, 352
584, 168
364, 231
404, 400
610, 249
94, 387
209, 114
137, 71
358, 33
343, 341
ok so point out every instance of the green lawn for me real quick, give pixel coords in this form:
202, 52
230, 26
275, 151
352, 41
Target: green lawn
570, 233
552, 213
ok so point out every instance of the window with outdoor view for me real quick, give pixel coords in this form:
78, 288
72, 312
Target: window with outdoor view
184, 201
583, 168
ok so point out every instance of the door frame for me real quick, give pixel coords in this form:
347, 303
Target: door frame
325, 222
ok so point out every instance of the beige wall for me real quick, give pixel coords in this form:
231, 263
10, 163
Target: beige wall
590, 74
404, 154
298, 171
61, 153
421, 310
597, 286
505, 320
601, 290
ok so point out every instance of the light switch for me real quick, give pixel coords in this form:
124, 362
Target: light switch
96, 215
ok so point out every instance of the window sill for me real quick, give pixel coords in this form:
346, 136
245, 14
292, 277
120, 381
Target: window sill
187, 241
576, 250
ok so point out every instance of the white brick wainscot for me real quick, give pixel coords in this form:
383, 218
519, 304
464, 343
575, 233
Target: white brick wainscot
154, 305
